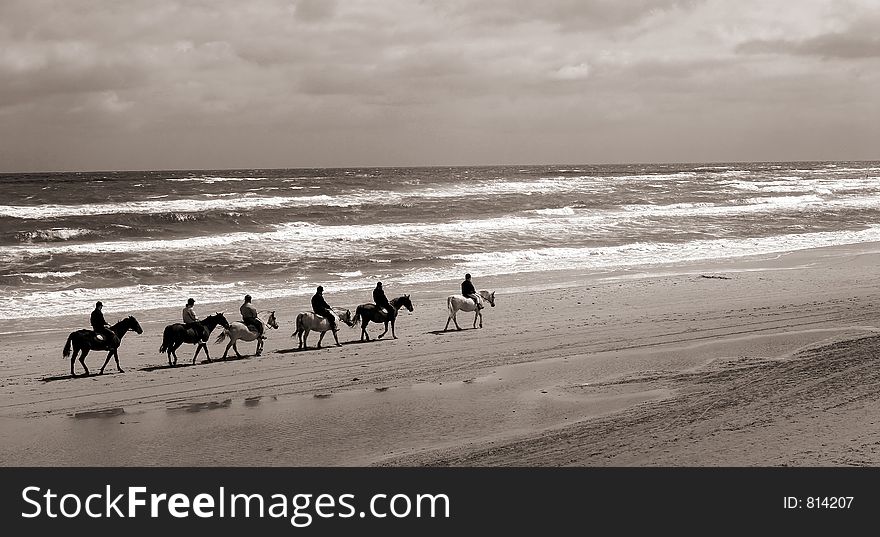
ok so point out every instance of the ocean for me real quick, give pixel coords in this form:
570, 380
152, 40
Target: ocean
143, 240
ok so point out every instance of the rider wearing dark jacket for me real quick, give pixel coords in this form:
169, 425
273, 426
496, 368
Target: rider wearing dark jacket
100, 326
381, 300
468, 290
320, 306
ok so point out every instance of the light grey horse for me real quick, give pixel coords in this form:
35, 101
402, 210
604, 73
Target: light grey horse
239, 331
457, 303
308, 321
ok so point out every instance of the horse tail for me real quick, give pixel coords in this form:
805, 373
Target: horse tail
66, 351
222, 335
449, 305
166, 339
357, 315
300, 324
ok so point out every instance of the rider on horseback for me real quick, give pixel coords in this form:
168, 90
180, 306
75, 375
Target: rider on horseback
320, 306
468, 290
249, 316
381, 300
189, 315
101, 327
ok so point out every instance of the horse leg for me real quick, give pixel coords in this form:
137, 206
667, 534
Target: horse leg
116, 358
82, 360
480, 313
392, 329
385, 332
73, 360
235, 348
336, 338
454, 320
107, 361
208, 356
174, 351
320, 339
364, 330
477, 314
228, 346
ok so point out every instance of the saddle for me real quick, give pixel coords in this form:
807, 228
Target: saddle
100, 338
253, 327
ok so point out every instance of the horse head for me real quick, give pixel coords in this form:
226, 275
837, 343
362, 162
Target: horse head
346, 318
403, 301
271, 321
134, 325
219, 319
489, 297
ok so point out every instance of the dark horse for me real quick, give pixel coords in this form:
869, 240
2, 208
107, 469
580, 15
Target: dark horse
371, 312
86, 340
196, 333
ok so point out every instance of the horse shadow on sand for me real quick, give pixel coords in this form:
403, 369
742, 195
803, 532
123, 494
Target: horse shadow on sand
293, 350
67, 377
442, 332
202, 362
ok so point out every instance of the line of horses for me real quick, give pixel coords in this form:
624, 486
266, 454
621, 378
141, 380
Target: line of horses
81, 342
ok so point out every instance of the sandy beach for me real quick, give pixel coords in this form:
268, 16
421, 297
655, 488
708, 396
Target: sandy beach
768, 361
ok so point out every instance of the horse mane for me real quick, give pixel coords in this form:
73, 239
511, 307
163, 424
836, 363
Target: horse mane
123, 321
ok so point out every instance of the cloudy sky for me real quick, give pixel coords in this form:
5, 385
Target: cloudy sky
169, 84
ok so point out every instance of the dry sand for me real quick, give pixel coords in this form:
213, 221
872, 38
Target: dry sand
769, 361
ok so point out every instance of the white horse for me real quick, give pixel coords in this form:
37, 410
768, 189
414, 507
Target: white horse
239, 331
457, 303
308, 321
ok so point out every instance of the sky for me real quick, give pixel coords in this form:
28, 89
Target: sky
212, 84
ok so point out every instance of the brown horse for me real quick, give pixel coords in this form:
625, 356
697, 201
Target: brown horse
371, 312
87, 340
196, 333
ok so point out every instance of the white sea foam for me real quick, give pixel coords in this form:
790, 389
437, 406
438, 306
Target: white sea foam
176, 206
130, 299
353, 274
50, 274
639, 254
320, 239
54, 234
211, 180
561, 211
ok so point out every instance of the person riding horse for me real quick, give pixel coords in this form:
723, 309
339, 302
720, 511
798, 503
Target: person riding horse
468, 290
249, 316
189, 315
101, 326
320, 306
381, 300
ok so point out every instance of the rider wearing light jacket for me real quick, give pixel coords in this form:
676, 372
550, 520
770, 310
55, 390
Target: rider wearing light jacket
249, 315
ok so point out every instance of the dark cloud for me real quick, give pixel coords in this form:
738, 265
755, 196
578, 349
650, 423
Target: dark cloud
836, 45
315, 10
214, 83
569, 15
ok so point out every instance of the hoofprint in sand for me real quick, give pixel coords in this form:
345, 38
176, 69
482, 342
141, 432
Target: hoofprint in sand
769, 361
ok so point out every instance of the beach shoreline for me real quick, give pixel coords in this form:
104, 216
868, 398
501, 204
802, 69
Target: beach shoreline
626, 367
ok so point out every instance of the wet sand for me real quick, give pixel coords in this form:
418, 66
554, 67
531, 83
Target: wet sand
765, 361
